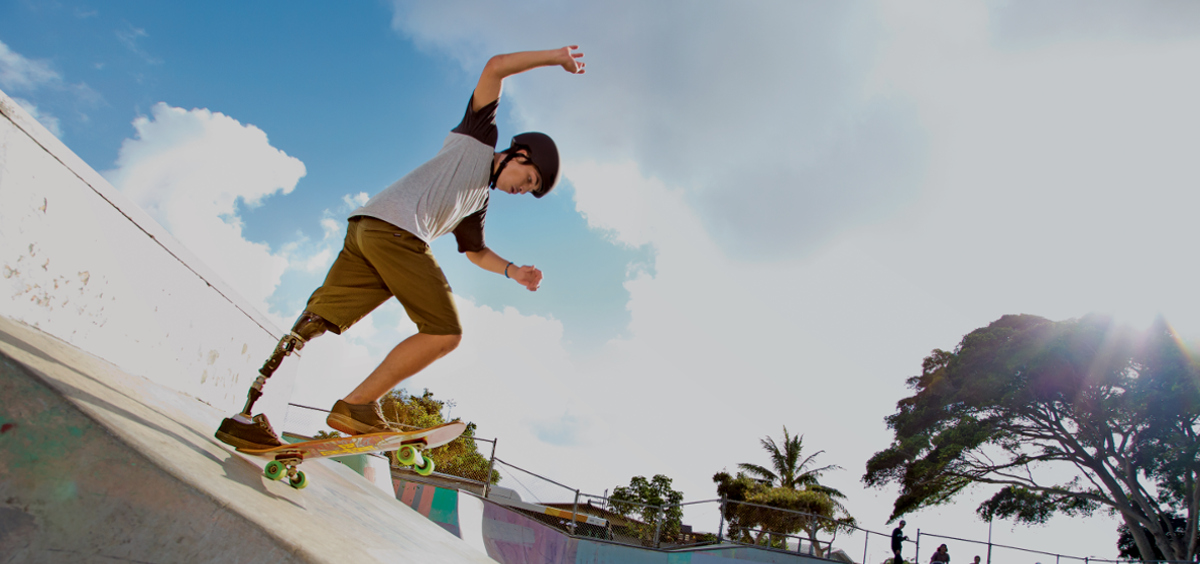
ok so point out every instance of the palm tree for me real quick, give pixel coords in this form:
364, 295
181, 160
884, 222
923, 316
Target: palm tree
789, 472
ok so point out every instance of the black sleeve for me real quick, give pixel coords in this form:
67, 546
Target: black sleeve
481, 124
469, 232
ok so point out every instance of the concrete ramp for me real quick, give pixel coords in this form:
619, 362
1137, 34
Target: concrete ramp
97, 465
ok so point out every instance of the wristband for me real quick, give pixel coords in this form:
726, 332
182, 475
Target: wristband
506, 270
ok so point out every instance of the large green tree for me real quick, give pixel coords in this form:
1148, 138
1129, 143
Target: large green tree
1025, 396
655, 502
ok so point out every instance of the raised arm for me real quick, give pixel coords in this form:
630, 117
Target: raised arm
502, 66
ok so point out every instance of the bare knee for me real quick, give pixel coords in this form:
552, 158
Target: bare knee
448, 343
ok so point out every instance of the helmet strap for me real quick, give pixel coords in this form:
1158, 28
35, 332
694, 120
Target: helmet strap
510, 154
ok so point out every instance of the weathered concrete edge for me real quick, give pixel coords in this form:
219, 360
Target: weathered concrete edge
269, 506
15, 367
105, 190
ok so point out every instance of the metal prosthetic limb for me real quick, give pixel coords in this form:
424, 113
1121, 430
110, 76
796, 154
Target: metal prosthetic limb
308, 326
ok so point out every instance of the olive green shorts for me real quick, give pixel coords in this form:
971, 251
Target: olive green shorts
378, 261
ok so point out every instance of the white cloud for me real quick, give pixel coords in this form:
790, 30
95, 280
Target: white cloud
332, 227
50, 122
18, 73
130, 37
771, 127
189, 169
355, 201
939, 165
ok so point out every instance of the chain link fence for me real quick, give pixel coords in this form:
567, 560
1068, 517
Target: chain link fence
599, 517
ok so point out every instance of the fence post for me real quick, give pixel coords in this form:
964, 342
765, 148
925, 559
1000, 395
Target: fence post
867, 539
658, 526
487, 482
574, 511
917, 556
721, 527
989, 541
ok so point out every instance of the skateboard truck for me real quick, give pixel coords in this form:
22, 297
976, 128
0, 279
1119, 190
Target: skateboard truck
285, 464
307, 327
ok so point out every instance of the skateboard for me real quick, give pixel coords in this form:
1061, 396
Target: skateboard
408, 447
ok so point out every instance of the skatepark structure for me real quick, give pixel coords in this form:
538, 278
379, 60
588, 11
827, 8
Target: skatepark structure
120, 353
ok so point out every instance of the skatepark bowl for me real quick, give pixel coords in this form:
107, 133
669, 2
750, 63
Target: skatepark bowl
121, 352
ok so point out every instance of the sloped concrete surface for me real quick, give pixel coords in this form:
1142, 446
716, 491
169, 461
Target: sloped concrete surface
97, 465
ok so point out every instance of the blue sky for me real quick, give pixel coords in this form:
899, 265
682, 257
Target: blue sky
336, 89
770, 213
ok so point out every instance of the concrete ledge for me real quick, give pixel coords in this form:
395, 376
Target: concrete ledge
99, 465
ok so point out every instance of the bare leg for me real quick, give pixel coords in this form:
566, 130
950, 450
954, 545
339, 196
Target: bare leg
409, 357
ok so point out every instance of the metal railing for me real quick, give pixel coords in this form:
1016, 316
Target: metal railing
599, 517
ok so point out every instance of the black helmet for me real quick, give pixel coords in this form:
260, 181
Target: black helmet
544, 155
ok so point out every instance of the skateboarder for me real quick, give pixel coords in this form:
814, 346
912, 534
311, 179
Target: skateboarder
898, 539
386, 252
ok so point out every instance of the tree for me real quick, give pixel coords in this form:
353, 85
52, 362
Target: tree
655, 502
461, 456
809, 510
791, 471
1119, 408
1127, 548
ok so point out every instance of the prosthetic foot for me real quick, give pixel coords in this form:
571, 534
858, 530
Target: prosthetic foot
244, 431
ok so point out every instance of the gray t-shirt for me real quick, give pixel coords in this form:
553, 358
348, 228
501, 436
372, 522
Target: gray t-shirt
437, 196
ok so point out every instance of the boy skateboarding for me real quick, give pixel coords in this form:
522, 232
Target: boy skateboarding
386, 252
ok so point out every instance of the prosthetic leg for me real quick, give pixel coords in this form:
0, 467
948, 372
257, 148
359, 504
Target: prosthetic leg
246, 431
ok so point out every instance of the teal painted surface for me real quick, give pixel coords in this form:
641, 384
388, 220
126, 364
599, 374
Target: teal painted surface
444, 509
591, 552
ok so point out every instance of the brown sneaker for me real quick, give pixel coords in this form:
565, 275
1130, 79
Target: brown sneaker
242, 433
358, 419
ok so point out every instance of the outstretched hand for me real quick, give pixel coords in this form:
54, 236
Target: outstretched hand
528, 276
571, 62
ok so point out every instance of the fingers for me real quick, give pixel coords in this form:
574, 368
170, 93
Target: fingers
574, 65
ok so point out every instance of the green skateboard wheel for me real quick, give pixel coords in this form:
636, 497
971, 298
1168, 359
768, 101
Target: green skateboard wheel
274, 470
427, 468
298, 481
408, 455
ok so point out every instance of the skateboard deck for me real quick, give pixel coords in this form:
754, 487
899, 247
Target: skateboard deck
408, 447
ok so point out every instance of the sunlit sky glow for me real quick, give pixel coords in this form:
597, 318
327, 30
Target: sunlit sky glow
771, 212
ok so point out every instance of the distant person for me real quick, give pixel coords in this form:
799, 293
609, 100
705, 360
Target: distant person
976, 559
941, 556
898, 539
386, 252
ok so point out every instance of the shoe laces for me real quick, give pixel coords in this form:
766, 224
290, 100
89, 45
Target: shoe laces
263, 423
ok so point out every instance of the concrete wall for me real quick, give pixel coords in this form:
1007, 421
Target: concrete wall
71, 492
82, 263
97, 465
510, 537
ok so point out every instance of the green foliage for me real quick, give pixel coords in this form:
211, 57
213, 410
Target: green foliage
1127, 548
789, 470
817, 511
1034, 507
323, 434
1119, 407
791, 483
461, 457
655, 502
